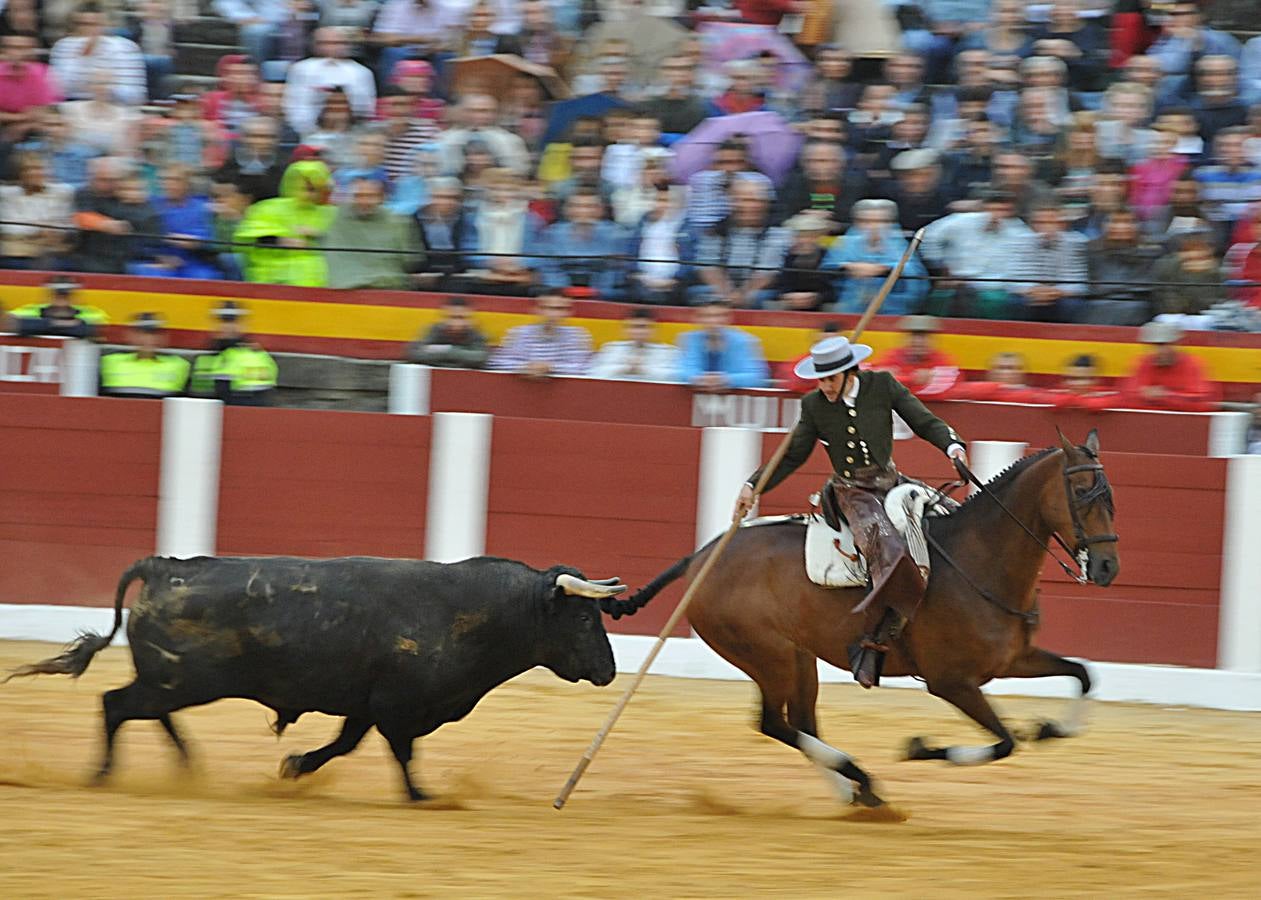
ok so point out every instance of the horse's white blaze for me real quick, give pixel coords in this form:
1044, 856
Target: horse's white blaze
970, 756
818, 752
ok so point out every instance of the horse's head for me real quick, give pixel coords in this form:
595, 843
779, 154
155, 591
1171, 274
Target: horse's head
1080, 509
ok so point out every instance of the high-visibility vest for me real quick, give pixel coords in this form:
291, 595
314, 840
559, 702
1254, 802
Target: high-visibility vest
90, 314
246, 369
161, 375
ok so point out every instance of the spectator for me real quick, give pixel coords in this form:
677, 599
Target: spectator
270, 104
453, 342
34, 217
1073, 167
525, 112
637, 357
741, 95
140, 243
1181, 121
254, 166
1014, 175
227, 208
970, 168
1109, 186
1153, 178
971, 249
540, 40
572, 253
99, 216
677, 110
1183, 41
631, 204
708, 191
1079, 388
144, 371
1250, 71
413, 28
353, 15
1118, 263
1183, 213
405, 133
415, 78
1006, 36
717, 357
833, 69
101, 123
953, 112
446, 236
505, 228
76, 57
866, 255
741, 255
368, 162
1196, 270
1036, 128
659, 245
186, 221
905, 72
25, 86
1216, 102
387, 244
1080, 44
1232, 184
1145, 71
257, 22
623, 160
917, 188
283, 233
1050, 268
547, 347
335, 130
236, 370
235, 101
184, 138
59, 315
803, 284
476, 38
926, 370
327, 68
1167, 378
1005, 382
290, 41
151, 26
822, 182
586, 165
1121, 132
67, 158
477, 114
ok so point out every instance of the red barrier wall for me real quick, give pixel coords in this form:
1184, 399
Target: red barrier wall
1131, 431
610, 499
310, 483
78, 495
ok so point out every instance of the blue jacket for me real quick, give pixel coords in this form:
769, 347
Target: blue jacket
855, 293
588, 265
741, 359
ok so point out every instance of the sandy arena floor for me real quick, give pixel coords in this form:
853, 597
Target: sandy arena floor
685, 800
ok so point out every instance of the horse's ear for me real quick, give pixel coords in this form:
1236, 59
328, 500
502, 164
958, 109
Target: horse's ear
1064, 442
1092, 441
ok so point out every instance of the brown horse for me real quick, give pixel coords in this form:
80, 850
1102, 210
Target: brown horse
759, 611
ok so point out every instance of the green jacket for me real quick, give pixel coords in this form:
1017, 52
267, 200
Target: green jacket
384, 231
293, 214
244, 368
161, 375
863, 435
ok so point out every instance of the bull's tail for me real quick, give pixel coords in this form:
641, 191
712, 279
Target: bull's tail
74, 660
632, 605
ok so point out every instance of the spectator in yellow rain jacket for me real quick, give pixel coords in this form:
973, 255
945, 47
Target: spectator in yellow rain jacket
284, 232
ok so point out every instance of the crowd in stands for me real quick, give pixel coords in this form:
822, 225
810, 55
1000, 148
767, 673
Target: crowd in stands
1071, 161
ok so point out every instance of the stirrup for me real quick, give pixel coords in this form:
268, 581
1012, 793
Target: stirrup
866, 662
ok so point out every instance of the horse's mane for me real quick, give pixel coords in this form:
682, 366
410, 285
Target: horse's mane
1000, 481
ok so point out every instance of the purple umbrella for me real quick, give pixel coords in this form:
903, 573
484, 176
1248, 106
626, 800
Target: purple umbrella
722, 42
773, 145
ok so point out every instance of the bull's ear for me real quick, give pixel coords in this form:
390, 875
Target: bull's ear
1092, 441
579, 587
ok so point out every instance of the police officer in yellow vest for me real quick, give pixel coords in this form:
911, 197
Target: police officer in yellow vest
236, 370
59, 315
144, 371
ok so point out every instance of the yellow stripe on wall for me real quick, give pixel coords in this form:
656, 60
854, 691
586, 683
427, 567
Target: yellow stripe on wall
352, 321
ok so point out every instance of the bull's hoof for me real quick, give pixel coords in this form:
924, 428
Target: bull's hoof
291, 766
99, 777
416, 795
1049, 730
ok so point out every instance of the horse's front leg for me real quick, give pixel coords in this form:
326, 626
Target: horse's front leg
1039, 663
972, 703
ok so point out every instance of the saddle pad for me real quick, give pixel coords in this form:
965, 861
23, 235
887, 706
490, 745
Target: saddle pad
832, 560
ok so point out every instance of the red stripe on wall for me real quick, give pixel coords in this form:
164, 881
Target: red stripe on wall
609, 499
311, 483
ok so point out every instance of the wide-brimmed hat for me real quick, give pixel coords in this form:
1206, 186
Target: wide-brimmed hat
831, 356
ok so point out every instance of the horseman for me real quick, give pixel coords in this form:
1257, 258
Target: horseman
852, 414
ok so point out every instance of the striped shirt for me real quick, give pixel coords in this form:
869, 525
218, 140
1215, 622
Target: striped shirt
1058, 261
400, 151
567, 348
1227, 194
116, 55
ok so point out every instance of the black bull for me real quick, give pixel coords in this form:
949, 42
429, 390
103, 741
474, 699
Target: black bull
402, 645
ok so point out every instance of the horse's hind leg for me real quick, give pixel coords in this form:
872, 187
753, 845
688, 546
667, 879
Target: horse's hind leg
972, 703
1039, 663
836, 766
805, 695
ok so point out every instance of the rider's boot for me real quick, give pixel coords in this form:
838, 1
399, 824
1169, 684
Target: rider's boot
866, 657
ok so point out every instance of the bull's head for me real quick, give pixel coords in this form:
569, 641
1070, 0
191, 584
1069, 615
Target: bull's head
578, 646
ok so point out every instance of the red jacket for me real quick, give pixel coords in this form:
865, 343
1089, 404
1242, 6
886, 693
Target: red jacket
764, 12
932, 376
1186, 387
1251, 271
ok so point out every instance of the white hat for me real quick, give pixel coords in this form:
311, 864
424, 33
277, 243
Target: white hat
831, 356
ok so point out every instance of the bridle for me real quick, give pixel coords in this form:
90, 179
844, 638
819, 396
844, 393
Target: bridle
1099, 491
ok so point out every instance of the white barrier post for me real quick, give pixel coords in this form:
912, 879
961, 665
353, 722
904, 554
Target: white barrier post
459, 486
1228, 433
188, 481
988, 458
1239, 615
80, 362
409, 390
728, 457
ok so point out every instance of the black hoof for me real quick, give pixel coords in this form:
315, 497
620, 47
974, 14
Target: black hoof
417, 796
291, 766
867, 797
917, 749
1049, 730
99, 778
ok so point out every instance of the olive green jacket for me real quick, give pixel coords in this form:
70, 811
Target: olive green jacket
861, 435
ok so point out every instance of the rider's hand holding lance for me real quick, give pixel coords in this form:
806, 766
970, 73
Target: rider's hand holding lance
852, 413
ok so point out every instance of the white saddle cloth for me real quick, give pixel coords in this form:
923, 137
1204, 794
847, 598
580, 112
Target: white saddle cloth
832, 559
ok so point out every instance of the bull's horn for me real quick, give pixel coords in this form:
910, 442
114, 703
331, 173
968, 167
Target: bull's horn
577, 587
606, 581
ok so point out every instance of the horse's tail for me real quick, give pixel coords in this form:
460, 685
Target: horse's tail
632, 605
74, 660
